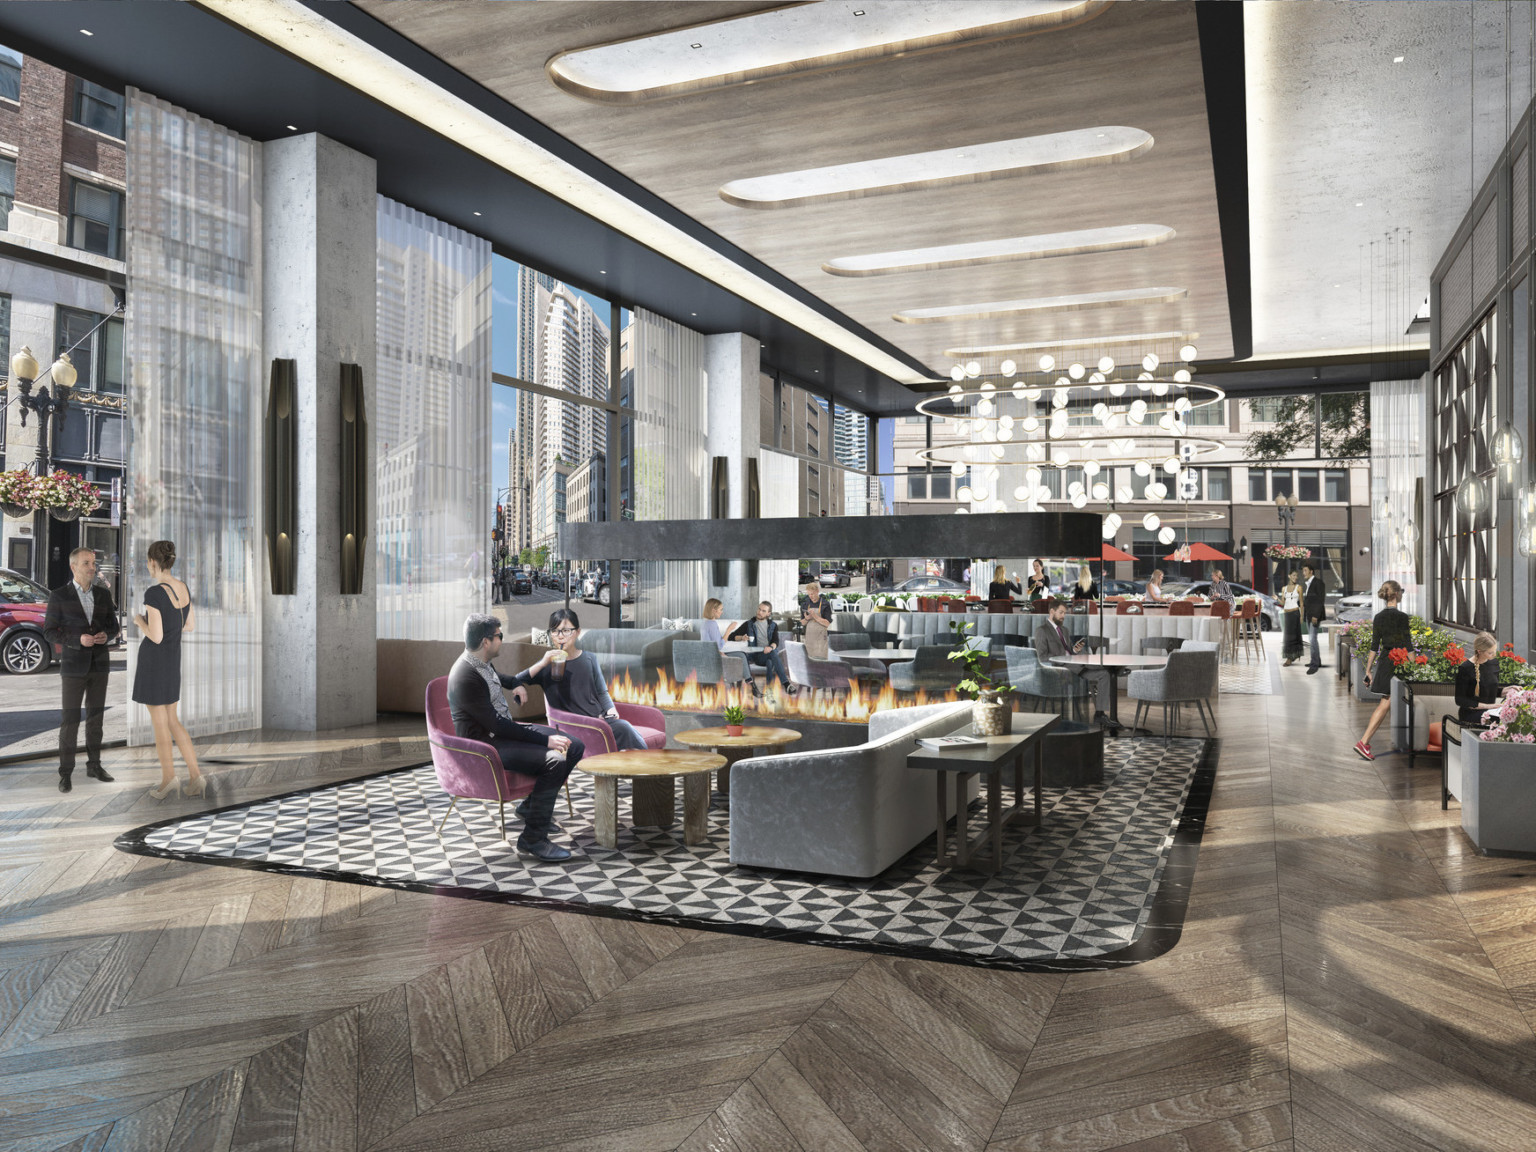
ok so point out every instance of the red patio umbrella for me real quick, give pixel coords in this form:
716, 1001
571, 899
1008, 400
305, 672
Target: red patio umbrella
1113, 553
1201, 551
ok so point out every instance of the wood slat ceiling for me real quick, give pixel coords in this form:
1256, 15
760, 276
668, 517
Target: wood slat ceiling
1136, 65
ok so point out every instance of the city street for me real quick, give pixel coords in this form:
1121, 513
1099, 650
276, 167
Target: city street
29, 716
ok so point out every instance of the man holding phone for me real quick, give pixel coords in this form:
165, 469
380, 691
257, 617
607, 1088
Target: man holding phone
83, 620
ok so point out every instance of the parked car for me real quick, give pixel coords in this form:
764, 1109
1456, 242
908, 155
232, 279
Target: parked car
1269, 607
1355, 606
23, 604
549, 580
931, 586
834, 578
595, 588
522, 583
1124, 587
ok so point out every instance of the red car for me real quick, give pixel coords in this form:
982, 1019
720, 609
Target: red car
23, 604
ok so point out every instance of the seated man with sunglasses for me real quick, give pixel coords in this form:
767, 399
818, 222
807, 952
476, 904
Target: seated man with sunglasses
480, 712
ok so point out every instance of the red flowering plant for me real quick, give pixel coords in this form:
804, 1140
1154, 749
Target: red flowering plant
1455, 655
1514, 670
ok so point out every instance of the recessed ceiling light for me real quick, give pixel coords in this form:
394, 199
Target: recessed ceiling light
1359, 203
792, 41
1335, 285
965, 165
292, 127
999, 251
693, 313
477, 213
996, 309
602, 271
86, 32
1397, 59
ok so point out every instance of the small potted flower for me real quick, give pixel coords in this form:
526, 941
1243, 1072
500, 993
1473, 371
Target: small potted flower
734, 716
16, 498
1498, 782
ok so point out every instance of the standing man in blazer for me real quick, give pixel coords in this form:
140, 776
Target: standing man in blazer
83, 619
1312, 610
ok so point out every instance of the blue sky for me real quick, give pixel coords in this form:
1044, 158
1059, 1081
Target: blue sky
504, 357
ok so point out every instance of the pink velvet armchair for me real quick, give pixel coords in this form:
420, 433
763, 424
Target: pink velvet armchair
468, 768
597, 737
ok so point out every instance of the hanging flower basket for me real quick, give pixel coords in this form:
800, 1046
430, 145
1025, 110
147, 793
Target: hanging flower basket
1287, 552
16, 497
65, 496
14, 509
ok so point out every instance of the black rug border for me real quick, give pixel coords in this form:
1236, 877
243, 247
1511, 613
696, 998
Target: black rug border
1164, 928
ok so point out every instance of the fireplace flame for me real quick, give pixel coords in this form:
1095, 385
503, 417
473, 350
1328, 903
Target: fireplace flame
854, 706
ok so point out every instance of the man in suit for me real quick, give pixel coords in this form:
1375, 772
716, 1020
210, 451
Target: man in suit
480, 712
1313, 608
1052, 640
82, 619
762, 631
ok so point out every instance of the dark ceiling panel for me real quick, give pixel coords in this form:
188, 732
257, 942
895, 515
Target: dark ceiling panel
183, 54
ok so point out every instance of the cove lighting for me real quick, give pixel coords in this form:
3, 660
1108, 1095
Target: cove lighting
970, 164
1139, 338
1000, 251
791, 41
307, 35
997, 309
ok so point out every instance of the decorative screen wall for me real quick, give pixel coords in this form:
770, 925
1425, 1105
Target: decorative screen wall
1465, 555
193, 342
432, 430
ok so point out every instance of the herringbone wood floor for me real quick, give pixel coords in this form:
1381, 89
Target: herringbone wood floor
1350, 978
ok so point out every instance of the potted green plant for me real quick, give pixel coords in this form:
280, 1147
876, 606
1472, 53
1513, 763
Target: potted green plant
734, 715
990, 714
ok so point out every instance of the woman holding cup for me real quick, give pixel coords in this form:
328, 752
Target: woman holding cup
573, 681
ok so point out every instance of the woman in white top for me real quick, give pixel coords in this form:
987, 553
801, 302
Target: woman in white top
1290, 619
1155, 585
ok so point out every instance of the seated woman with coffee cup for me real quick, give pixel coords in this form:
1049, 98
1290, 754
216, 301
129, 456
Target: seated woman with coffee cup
573, 681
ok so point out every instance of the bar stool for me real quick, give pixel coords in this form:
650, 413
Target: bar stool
1250, 630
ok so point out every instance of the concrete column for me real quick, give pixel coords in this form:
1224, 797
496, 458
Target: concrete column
731, 364
319, 252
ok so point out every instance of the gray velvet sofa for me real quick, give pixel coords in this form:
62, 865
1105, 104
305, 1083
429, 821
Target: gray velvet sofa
849, 811
641, 652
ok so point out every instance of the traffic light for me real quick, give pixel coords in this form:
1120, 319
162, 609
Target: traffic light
496, 528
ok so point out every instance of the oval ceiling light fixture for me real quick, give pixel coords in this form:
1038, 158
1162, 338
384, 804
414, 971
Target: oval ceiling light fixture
971, 164
793, 41
1077, 243
1001, 309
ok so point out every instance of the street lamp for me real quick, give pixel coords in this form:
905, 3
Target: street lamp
24, 371
1286, 507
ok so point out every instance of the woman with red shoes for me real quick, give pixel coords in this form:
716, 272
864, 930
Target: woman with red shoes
1389, 630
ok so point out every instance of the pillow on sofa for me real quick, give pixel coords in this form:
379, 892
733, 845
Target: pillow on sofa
681, 624
540, 636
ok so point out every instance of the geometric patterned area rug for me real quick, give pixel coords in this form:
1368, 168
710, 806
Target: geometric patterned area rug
1102, 883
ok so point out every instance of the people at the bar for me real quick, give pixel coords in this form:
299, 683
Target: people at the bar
734, 664
573, 681
480, 712
1389, 630
1220, 589
816, 619
1003, 588
762, 631
1039, 582
1313, 601
1155, 585
166, 617
1290, 620
1477, 679
1086, 588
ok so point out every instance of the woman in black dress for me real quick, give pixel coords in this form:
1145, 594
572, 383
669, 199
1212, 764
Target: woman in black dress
1039, 582
1086, 587
1001, 587
1389, 630
157, 676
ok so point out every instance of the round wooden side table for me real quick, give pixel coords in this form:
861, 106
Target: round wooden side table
652, 801
753, 738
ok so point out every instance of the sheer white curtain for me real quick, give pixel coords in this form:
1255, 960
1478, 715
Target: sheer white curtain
432, 429
778, 580
193, 345
1397, 465
670, 458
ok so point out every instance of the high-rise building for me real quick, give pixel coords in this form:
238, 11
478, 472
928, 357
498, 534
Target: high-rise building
570, 355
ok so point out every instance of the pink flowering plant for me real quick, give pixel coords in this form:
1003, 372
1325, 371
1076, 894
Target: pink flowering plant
65, 490
1287, 552
1515, 721
16, 488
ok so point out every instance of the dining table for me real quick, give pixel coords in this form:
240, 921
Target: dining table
1117, 664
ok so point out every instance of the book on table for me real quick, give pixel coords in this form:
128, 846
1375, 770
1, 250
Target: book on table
940, 743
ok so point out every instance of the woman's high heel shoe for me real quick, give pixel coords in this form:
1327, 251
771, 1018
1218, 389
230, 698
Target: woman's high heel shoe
196, 789
164, 790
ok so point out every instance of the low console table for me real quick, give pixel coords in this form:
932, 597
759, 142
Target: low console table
990, 759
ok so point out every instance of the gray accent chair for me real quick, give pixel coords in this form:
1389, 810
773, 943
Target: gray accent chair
865, 667
1047, 688
930, 670
1200, 646
641, 652
833, 675
1161, 644
1187, 678
850, 811
1094, 643
705, 662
